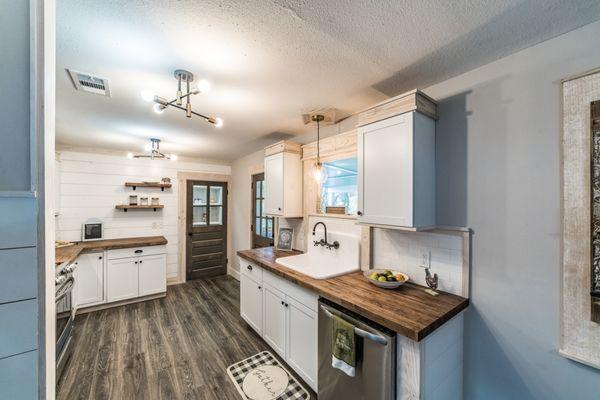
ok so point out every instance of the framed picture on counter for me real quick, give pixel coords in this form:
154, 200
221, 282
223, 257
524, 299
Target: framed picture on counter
284, 239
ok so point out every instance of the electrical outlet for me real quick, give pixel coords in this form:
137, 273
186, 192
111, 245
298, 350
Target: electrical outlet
425, 258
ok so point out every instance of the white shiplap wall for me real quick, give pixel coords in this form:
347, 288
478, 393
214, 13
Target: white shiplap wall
90, 185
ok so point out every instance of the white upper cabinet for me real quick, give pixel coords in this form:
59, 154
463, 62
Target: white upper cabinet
283, 180
396, 165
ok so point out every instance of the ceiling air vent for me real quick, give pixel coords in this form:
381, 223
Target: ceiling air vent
89, 83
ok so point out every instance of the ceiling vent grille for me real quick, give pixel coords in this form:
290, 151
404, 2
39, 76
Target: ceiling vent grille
89, 83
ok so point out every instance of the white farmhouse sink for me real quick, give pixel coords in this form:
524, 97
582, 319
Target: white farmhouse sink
322, 263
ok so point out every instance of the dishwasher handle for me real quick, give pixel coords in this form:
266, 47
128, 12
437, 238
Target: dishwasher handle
361, 332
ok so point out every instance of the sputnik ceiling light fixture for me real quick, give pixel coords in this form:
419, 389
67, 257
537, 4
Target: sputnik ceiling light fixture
155, 153
185, 77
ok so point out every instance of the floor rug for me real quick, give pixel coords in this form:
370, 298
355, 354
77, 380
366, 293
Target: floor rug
262, 377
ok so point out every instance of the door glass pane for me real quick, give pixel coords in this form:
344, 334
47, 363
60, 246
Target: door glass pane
199, 215
199, 195
216, 215
259, 189
269, 227
258, 208
263, 231
216, 195
263, 207
257, 226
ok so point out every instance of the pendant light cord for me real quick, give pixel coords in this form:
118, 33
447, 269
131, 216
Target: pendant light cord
318, 143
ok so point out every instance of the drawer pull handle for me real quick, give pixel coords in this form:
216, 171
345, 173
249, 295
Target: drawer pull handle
249, 267
139, 251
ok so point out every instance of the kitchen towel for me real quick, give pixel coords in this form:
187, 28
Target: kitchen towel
343, 346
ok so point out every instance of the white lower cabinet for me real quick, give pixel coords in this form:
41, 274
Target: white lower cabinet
152, 274
302, 341
121, 279
274, 317
89, 279
285, 315
251, 302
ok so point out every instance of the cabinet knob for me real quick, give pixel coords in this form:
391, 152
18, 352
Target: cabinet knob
359, 213
282, 303
140, 262
260, 288
278, 208
100, 258
249, 267
286, 304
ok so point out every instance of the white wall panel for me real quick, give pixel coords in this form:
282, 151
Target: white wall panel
18, 269
19, 327
92, 184
18, 376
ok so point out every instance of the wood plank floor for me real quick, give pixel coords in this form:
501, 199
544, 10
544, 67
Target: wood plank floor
178, 347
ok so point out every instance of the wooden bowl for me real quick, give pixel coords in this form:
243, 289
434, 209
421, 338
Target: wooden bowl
385, 285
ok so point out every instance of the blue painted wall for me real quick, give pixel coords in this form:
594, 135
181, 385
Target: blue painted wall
498, 172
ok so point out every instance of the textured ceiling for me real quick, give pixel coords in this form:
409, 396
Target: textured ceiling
269, 60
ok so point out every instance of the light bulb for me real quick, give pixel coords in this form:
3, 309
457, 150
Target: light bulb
203, 86
129, 155
148, 95
319, 173
173, 157
159, 108
218, 122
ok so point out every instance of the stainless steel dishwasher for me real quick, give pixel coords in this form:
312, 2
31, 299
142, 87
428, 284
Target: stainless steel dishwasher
375, 377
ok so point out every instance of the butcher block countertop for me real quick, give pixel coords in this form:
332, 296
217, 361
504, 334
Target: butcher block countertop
407, 310
70, 253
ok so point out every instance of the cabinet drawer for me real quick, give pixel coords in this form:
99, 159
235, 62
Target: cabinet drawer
135, 252
301, 295
251, 270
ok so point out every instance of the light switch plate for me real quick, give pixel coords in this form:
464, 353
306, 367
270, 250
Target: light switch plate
424, 258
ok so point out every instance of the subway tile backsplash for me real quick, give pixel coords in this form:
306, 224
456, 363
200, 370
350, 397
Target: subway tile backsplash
403, 251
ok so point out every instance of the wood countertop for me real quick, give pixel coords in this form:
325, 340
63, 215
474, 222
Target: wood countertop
70, 253
407, 310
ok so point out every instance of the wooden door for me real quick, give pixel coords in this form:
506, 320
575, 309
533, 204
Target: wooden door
262, 225
274, 184
206, 229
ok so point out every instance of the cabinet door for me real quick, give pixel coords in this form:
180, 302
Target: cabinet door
385, 172
251, 303
152, 274
121, 279
89, 279
274, 319
302, 341
274, 184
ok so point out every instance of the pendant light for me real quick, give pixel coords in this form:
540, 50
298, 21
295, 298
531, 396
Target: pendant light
319, 173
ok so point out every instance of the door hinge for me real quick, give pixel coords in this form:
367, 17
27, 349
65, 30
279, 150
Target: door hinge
251, 228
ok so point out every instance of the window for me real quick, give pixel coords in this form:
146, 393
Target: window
340, 189
262, 226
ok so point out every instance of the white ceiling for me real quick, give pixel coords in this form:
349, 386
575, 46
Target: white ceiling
268, 60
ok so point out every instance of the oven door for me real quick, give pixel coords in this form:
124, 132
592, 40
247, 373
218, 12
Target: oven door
64, 315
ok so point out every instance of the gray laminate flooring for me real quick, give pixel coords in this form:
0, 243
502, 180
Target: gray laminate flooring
178, 347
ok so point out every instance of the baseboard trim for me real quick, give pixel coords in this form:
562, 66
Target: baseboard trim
235, 274
104, 306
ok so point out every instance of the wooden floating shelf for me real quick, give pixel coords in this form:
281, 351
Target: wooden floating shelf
126, 207
135, 185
